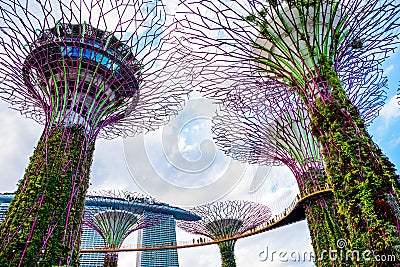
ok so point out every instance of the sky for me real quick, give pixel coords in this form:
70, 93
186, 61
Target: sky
112, 169
180, 164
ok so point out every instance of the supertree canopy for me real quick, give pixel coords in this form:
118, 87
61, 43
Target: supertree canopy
82, 69
316, 49
263, 124
222, 220
278, 132
116, 214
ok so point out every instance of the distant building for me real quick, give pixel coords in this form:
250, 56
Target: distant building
164, 234
3, 209
91, 239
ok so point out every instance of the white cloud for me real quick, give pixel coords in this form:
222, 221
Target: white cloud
388, 70
18, 137
390, 111
395, 142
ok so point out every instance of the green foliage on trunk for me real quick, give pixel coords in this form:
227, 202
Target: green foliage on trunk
364, 180
110, 260
321, 217
362, 177
324, 228
37, 229
227, 253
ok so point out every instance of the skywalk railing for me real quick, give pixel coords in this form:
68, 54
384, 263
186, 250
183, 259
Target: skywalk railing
204, 241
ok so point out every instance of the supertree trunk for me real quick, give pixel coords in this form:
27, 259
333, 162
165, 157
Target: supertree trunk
285, 138
364, 180
43, 222
111, 260
227, 251
324, 229
306, 46
322, 218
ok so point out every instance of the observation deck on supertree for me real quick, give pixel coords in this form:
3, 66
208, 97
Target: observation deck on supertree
222, 220
82, 76
82, 69
316, 49
116, 214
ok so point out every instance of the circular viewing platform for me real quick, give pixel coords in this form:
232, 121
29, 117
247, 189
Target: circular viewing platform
79, 68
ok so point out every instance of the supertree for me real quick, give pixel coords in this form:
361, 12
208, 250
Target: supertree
278, 133
82, 69
116, 214
222, 220
316, 49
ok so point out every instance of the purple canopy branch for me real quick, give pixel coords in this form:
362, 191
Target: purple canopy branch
116, 215
222, 220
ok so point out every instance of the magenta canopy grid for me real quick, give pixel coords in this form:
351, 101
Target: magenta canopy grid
116, 214
221, 220
92, 63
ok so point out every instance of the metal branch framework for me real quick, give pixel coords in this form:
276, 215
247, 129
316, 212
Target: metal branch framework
279, 133
117, 214
83, 69
322, 51
227, 48
91, 63
261, 123
221, 220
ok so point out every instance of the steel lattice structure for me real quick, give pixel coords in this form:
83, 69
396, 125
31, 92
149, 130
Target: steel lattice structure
221, 220
261, 123
82, 69
279, 135
275, 133
66, 49
114, 222
116, 214
319, 50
